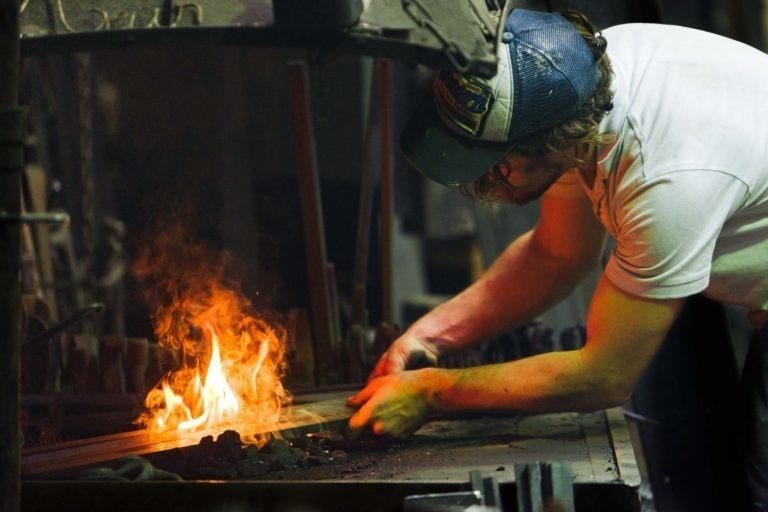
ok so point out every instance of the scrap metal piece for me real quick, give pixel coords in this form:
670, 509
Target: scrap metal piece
542, 485
442, 502
484, 497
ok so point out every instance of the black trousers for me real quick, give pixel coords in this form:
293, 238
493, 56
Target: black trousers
705, 440
755, 412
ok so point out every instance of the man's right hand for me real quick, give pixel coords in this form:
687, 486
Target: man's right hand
408, 352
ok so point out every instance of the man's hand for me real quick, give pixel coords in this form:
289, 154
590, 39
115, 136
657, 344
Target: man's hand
406, 352
394, 405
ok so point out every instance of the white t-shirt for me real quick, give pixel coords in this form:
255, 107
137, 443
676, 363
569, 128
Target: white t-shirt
684, 191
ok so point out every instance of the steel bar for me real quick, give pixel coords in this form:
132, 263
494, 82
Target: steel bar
11, 164
387, 190
326, 414
321, 309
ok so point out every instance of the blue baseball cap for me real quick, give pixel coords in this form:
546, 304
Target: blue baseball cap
546, 71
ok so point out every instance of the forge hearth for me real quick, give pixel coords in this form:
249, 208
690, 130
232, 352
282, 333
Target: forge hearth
374, 475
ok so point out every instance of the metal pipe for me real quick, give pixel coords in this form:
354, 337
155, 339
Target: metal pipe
11, 164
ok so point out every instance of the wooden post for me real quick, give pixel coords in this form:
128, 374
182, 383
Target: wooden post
11, 163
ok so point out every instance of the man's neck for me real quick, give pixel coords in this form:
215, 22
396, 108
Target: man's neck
587, 164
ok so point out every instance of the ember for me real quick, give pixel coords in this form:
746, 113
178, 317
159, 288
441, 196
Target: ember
231, 360
226, 458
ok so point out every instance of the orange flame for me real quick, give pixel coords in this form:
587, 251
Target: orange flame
231, 360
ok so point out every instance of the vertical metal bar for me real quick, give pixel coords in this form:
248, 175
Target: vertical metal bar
356, 333
364, 214
11, 163
387, 190
312, 223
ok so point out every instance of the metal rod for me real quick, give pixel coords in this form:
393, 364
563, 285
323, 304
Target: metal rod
11, 163
62, 326
34, 218
312, 223
387, 190
323, 415
364, 214
358, 312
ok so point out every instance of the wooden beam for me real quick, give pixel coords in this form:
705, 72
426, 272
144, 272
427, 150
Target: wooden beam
322, 415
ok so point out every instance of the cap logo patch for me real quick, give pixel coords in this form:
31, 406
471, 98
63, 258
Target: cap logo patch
463, 100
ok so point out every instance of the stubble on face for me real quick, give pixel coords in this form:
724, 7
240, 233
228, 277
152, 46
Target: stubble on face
540, 173
521, 197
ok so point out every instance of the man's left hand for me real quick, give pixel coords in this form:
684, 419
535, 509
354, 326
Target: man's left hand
395, 405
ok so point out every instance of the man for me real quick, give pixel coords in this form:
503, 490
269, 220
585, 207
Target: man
658, 138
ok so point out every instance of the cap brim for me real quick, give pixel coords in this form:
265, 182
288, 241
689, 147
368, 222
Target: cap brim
443, 155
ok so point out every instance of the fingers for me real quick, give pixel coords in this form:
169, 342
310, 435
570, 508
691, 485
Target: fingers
363, 395
363, 420
377, 428
390, 406
364, 417
359, 421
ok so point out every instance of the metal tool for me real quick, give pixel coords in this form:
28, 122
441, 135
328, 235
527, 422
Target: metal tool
60, 327
484, 496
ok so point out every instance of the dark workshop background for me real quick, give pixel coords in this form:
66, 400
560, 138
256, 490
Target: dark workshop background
134, 143
202, 136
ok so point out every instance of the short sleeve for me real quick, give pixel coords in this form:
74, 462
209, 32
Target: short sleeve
666, 229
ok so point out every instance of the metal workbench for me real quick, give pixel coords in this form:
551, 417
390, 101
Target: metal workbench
437, 459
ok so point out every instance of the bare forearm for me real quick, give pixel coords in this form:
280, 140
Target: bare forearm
524, 282
624, 332
552, 382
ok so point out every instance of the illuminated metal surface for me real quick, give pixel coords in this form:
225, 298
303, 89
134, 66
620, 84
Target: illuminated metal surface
419, 31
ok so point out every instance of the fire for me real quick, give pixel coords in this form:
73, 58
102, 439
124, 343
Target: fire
231, 361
